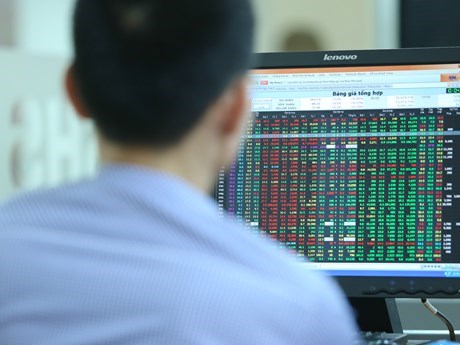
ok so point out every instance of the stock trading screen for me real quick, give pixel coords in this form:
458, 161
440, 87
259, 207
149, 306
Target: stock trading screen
350, 186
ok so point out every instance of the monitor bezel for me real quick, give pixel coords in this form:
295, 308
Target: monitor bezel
372, 286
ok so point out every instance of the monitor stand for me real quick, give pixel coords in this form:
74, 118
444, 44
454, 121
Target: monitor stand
377, 314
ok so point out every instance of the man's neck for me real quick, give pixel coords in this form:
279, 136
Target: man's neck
172, 161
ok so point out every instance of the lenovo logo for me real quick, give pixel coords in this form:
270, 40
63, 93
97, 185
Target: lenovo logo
339, 57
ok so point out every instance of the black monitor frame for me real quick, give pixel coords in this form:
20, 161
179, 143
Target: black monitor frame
428, 23
375, 287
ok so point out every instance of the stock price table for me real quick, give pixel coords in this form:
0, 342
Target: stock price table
367, 186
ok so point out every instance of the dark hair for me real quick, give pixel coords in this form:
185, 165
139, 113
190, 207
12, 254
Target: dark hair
148, 69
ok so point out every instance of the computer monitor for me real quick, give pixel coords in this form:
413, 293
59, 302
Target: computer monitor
351, 159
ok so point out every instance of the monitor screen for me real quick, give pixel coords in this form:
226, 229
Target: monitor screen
354, 167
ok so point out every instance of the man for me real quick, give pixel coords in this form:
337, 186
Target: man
139, 255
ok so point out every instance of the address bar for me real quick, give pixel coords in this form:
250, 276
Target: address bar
420, 85
393, 79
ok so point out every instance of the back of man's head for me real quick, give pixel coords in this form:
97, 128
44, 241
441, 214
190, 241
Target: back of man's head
147, 70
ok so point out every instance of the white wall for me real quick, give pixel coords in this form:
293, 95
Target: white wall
340, 24
387, 21
44, 26
42, 143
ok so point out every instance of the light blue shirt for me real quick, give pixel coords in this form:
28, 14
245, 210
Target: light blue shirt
136, 257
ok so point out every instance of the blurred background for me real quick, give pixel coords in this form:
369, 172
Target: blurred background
44, 26
43, 144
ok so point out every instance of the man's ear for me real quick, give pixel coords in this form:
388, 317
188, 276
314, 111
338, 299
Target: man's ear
232, 119
237, 108
74, 94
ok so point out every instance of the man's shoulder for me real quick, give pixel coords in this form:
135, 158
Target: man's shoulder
34, 202
46, 191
